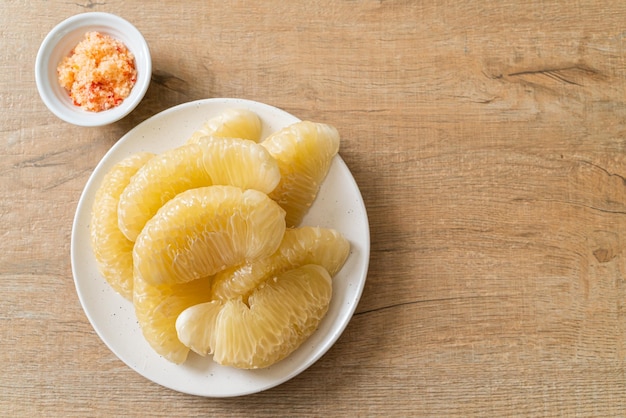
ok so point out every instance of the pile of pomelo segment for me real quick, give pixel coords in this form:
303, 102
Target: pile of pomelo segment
206, 240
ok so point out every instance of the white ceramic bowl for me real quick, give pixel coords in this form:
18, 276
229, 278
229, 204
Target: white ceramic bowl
60, 42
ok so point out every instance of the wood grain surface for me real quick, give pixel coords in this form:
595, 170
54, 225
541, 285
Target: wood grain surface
488, 141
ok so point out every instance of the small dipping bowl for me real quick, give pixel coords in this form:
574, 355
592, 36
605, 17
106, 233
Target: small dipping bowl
59, 44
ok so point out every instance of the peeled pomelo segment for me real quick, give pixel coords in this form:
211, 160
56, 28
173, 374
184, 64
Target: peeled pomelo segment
167, 175
231, 123
158, 306
304, 151
299, 246
195, 326
212, 161
112, 250
239, 162
205, 230
279, 316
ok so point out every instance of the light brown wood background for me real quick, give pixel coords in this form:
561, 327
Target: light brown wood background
488, 140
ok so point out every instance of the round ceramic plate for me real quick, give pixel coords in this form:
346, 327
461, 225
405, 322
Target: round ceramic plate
339, 205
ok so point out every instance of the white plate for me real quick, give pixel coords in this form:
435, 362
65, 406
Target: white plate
339, 205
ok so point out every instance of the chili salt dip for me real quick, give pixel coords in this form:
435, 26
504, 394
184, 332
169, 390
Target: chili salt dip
99, 73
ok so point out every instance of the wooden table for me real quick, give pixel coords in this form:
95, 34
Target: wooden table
488, 141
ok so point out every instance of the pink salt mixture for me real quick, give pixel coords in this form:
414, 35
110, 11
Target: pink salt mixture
99, 73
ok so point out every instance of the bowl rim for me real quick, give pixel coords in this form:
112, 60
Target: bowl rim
68, 27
